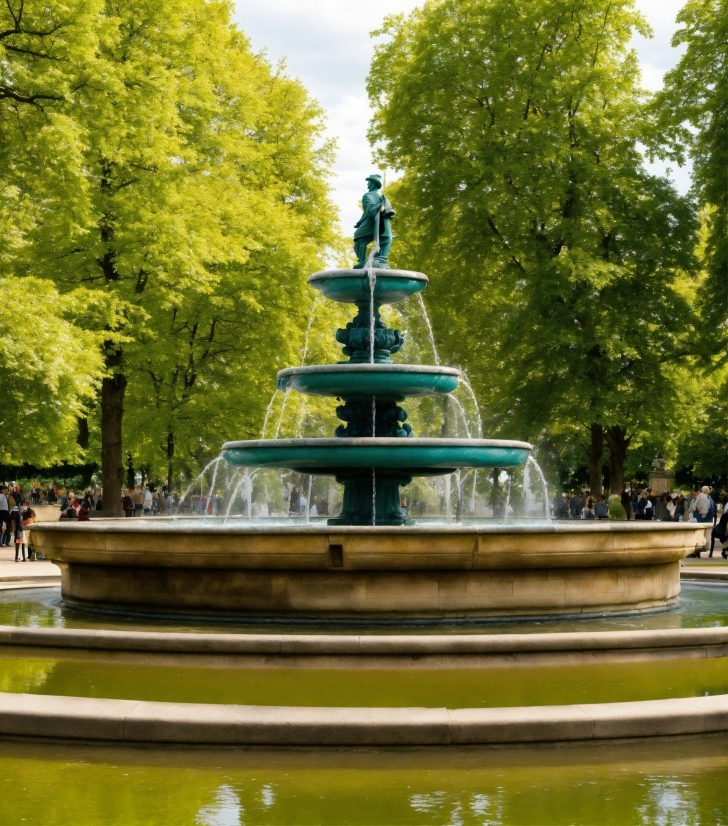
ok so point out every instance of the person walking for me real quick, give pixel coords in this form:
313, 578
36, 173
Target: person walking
147, 501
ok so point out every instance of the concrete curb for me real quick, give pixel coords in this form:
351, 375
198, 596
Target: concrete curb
713, 640
698, 575
128, 721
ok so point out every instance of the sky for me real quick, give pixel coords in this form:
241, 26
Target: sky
326, 44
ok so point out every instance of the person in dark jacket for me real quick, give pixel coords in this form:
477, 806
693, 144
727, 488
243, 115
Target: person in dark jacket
645, 509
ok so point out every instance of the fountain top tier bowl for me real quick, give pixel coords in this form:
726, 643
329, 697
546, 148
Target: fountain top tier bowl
413, 457
385, 381
352, 286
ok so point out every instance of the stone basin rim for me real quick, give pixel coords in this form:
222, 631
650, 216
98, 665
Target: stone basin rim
379, 441
218, 524
316, 369
324, 275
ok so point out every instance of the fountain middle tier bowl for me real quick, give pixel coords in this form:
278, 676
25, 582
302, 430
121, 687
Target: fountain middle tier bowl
352, 286
412, 457
385, 381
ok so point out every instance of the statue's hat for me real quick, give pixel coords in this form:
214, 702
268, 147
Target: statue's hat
376, 178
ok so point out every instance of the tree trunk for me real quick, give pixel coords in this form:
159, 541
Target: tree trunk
113, 388
595, 452
618, 442
170, 457
82, 436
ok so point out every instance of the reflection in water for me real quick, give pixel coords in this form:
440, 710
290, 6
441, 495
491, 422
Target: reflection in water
669, 803
225, 811
25, 676
673, 782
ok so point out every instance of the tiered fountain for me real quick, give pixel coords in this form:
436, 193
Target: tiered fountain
370, 562
374, 452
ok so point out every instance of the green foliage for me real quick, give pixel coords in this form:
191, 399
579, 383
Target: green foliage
692, 118
523, 189
616, 509
49, 370
151, 157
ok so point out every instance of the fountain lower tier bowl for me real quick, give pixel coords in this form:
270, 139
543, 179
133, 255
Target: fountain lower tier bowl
385, 381
207, 566
352, 286
409, 457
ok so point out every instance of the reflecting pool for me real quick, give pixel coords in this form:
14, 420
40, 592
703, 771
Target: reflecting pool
673, 782
122, 676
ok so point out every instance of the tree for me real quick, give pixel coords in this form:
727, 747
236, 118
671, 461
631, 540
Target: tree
523, 188
50, 369
182, 155
692, 117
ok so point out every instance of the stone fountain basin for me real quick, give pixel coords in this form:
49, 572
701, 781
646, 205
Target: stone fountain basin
352, 286
414, 457
437, 572
385, 381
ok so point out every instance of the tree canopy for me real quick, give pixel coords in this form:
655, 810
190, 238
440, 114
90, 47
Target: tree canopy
523, 188
150, 157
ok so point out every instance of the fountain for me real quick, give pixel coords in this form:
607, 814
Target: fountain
370, 562
495, 632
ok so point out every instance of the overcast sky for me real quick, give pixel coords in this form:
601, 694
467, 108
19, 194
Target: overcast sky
326, 44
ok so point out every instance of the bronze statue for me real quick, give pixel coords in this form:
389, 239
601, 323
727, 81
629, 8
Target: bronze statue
374, 225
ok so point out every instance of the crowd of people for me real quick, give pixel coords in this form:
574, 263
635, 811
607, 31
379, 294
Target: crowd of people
701, 505
16, 517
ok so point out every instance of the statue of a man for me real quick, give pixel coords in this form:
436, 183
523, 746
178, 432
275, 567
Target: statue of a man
376, 208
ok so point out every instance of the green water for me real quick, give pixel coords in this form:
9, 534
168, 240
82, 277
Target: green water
701, 605
666, 783
121, 677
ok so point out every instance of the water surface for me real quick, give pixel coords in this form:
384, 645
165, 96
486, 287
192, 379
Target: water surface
702, 605
114, 676
665, 783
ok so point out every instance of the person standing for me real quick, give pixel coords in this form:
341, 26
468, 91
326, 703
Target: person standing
170, 502
147, 502
626, 500
704, 505
645, 509
602, 508
138, 500
4, 517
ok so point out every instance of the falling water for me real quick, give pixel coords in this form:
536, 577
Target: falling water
372, 275
210, 496
235, 492
508, 500
547, 506
199, 478
466, 384
308, 499
304, 354
423, 309
268, 412
461, 410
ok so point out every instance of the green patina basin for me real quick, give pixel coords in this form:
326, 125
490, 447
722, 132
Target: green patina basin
385, 381
415, 457
352, 286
